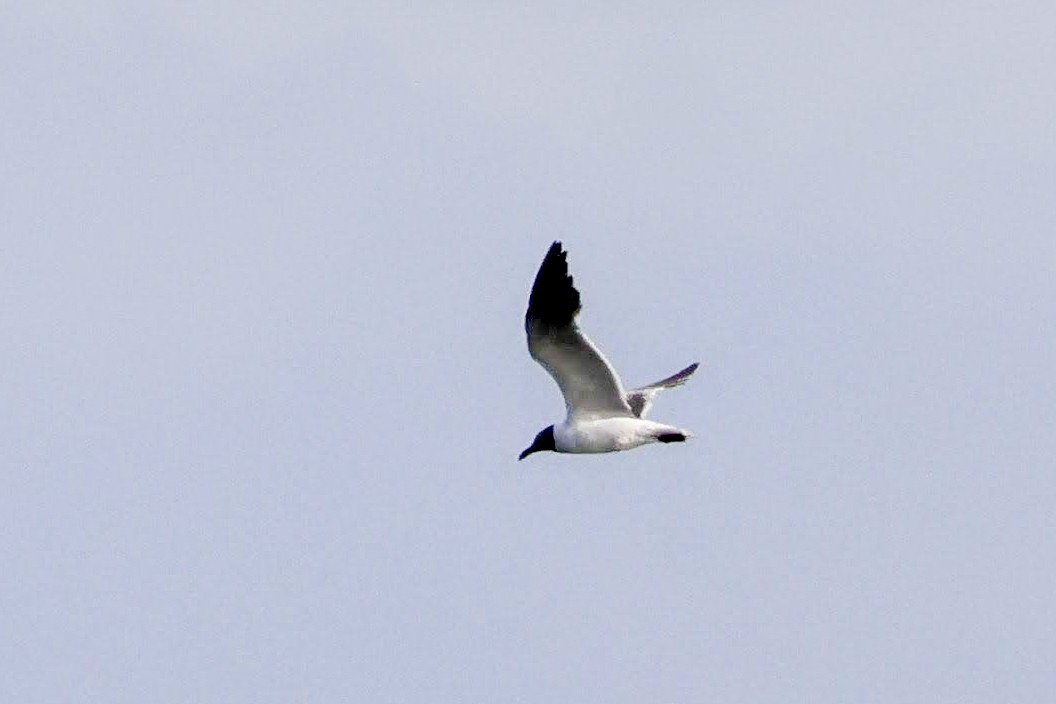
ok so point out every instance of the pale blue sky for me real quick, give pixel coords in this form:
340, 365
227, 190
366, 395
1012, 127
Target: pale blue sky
263, 273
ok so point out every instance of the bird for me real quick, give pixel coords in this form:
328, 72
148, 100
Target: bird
601, 416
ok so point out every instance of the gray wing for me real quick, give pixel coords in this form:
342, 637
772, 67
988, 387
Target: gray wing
641, 400
588, 382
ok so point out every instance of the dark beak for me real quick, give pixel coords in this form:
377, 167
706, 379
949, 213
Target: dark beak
527, 452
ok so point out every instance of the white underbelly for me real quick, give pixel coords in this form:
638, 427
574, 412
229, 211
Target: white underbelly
606, 435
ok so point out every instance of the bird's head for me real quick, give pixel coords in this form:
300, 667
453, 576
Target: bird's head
544, 440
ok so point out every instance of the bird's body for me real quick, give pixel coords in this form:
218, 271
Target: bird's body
601, 416
611, 434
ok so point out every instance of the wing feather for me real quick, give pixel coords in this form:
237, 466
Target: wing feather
587, 380
641, 399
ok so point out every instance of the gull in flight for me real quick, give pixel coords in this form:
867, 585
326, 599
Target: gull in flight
602, 417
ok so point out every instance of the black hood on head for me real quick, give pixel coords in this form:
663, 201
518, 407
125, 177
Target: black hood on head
544, 440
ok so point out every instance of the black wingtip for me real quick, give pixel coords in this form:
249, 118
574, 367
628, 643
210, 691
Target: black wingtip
685, 373
554, 299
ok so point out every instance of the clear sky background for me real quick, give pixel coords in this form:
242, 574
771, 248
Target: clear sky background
263, 271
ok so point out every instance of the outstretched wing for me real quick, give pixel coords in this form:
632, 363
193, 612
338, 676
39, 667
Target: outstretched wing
641, 400
588, 382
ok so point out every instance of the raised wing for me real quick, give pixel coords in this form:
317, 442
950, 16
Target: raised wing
641, 400
588, 382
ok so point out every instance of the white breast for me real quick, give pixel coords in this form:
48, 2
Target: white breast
607, 434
